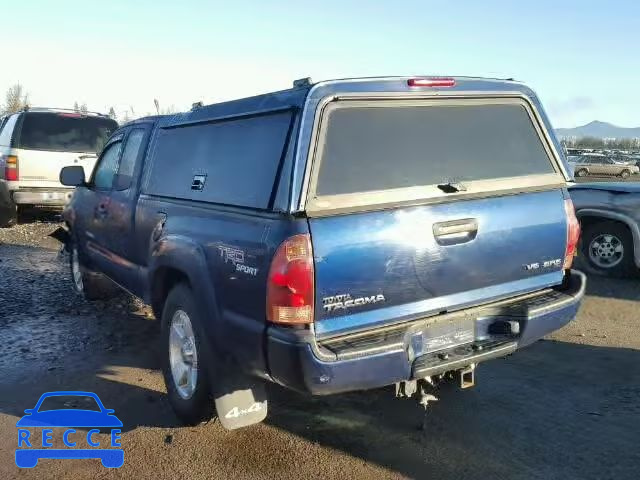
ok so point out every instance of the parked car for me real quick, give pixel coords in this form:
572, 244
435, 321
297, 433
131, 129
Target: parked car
574, 152
601, 165
34, 145
634, 159
334, 237
610, 218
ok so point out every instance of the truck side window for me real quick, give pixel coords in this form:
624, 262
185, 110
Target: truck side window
128, 161
238, 158
106, 169
7, 130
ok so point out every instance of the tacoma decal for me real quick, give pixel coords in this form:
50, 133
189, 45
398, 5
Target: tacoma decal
344, 301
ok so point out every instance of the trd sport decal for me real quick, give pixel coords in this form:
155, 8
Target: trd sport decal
236, 256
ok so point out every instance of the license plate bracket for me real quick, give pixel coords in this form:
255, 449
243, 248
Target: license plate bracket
448, 334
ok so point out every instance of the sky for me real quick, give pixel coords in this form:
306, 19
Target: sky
581, 57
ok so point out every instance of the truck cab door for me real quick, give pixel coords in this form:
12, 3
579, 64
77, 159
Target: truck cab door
92, 203
118, 226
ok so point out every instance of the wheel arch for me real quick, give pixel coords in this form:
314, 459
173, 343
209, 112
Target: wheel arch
177, 260
164, 278
589, 216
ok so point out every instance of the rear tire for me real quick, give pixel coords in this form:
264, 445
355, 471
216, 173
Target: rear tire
186, 357
24, 213
607, 249
8, 217
87, 284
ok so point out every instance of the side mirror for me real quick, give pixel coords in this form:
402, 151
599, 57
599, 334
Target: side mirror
29, 411
72, 176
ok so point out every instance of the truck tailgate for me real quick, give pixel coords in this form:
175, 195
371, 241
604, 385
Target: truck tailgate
395, 265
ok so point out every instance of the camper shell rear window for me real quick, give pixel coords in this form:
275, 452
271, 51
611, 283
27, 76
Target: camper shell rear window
382, 152
377, 147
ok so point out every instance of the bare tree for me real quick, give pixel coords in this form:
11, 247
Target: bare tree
112, 114
15, 100
80, 108
164, 110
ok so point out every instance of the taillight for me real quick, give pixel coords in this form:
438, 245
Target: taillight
290, 283
573, 233
431, 82
11, 168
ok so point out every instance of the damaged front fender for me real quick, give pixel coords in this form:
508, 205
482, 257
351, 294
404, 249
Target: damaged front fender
63, 236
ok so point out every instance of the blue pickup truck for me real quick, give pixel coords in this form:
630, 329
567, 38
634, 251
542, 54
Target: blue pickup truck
337, 236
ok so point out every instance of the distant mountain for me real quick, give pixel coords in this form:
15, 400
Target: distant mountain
599, 130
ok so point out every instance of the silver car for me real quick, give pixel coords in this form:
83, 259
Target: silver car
601, 165
34, 146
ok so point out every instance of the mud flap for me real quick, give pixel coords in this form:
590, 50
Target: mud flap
241, 402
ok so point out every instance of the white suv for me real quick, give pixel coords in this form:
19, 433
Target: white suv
34, 146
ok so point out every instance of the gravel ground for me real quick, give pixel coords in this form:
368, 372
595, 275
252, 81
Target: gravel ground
567, 407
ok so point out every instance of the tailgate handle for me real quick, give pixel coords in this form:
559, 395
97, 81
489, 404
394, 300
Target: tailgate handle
455, 231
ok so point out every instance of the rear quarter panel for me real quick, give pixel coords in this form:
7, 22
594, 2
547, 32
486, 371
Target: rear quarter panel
226, 254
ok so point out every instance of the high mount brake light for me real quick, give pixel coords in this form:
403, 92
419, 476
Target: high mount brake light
431, 82
290, 289
573, 233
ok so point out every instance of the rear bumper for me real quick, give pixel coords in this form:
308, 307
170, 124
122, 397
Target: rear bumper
49, 197
395, 354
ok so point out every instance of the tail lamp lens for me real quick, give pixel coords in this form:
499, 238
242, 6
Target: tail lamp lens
11, 172
290, 288
573, 234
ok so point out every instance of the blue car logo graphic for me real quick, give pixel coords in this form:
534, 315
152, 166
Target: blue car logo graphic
32, 447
